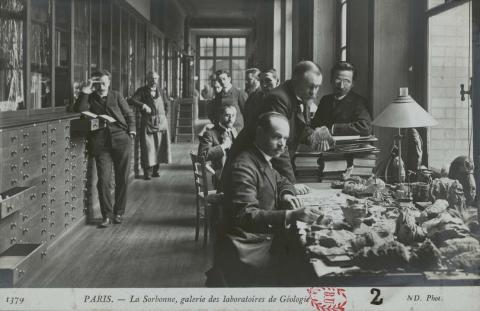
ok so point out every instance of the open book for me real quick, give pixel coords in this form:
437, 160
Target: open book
104, 117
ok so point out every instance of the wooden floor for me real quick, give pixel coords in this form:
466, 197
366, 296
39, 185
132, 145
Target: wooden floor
154, 247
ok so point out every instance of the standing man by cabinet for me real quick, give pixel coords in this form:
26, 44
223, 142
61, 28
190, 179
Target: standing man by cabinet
110, 144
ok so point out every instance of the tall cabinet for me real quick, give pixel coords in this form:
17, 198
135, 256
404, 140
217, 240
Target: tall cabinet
43, 185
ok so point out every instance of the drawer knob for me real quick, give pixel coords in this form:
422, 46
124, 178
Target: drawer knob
21, 273
44, 144
26, 134
52, 177
66, 214
44, 156
9, 208
13, 167
53, 188
67, 203
52, 224
25, 230
66, 224
52, 200
67, 170
13, 225
43, 231
52, 212
44, 218
13, 138
53, 129
25, 217
13, 240
14, 182
44, 132
44, 206
52, 165
13, 153
44, 194
25, 176
26, 162
74, 218
52, 236
44, 169
73, 208
33, 196
52, 153
26, 148
43, 254
53, 141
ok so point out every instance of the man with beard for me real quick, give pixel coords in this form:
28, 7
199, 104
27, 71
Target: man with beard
252, 81
253, 105
229, 95
110, 145
344, 112
261, 205
216, 142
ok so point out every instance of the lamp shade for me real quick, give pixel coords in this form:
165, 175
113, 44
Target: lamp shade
404, 112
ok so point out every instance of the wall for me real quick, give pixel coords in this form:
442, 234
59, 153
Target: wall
142, 6
169, 17
390, 54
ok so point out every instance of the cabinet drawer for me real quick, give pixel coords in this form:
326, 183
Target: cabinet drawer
14, 199
10, 173
9, 231
18, 261
34, 134
33, 230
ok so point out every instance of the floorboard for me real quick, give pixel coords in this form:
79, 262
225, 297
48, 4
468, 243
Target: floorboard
154, 247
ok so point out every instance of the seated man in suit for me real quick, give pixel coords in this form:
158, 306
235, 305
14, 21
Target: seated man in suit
216, 142
344, 112
261, 205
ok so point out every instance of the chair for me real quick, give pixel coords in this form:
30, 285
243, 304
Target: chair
204, 197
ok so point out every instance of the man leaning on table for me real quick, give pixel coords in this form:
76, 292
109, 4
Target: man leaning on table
344, 112
262, 206
109, 145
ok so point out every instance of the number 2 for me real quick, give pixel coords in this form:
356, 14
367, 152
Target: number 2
376, 300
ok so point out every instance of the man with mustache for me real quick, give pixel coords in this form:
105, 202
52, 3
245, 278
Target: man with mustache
215, 143
261, 205
344, 112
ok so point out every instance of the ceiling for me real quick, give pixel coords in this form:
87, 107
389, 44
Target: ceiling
220, 8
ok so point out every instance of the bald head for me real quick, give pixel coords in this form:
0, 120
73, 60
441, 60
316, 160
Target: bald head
272, 133
307, 78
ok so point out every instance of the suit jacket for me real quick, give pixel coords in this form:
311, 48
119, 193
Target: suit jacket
210, 148
234, 97
116, 107
252, 191
253, 107
283, 100
349, 115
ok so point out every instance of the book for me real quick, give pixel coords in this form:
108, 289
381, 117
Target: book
103, 117
364, 162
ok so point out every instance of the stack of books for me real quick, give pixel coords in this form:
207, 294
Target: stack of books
364, 164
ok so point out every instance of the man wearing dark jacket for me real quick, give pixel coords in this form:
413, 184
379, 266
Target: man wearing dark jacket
262, 205
215, 143
109, 145
344, 112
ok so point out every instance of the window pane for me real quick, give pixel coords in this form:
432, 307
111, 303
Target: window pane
12, 14
449, 66
238, 46
41, 55
434, 3
106, 27
206, 72
223, 46
206, 46
62, 55
95, 57
125, 53
131, 57
80, 52
238, 73
116, 48
141, 50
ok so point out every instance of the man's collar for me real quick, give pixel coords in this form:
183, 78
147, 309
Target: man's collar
266, 156
341, 97
222, 127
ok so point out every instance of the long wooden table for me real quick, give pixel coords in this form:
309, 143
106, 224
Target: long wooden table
326, 275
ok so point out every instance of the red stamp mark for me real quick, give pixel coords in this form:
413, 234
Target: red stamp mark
327, 298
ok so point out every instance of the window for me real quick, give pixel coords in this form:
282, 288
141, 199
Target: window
12, 15
221, 53
62, 53
449, 65
343, 30
116, 29
141, 50
81, 44
41, 55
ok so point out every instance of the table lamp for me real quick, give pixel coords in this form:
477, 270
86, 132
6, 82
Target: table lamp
403, 112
